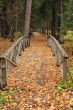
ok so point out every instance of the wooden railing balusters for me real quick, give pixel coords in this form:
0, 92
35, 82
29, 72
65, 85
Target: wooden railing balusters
60, 54
3, 71
11, 57
23, 47
64, 68
14, 55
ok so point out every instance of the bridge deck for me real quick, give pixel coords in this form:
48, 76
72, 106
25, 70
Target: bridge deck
36, 75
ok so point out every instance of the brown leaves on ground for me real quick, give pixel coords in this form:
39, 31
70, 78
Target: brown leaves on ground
34, 79
4, 45
68, 46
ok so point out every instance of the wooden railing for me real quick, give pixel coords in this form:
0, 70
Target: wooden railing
11, 56
60, 54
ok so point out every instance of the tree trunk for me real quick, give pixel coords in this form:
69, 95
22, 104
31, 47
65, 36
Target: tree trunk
16, 9
53, 22
62, 22
27, 17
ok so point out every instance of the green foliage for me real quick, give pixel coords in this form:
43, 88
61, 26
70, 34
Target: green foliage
68, 14
71, 70
11, 91
3, 99
40, 11
6, 97
35, 15
1, 3
66, 84
17, 34
62, 30
4, 94
63, 85
68, 37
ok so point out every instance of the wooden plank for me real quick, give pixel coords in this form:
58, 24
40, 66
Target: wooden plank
22, 46
64, 69
14, 56
10, 56
11, 62
19, 51
3, 72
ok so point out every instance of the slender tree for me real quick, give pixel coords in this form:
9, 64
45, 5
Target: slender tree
62, 22
27, 17
53, 18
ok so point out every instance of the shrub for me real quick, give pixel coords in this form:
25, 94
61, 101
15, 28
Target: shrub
17, 34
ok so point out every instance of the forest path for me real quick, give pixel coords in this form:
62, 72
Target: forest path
35, 77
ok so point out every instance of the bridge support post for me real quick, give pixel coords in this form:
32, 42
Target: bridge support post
28, 42
61, 56
64, 69
25, 42
58, 57
14, 59
3, 71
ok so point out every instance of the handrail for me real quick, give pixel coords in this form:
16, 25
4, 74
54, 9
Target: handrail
12, 47
63, 53
11, 62
60, 54
11, 55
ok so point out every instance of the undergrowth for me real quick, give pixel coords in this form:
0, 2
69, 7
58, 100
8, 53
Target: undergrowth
64, 85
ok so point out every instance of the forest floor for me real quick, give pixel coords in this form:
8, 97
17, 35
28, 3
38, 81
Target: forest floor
68, 46
4, 45
31, 85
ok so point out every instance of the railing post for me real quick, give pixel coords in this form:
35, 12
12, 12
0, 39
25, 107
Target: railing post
48, 41
23, 45
64, 68
25, 42
61, 56
54, 48
3, 72
28, 42
57, 54
14, 59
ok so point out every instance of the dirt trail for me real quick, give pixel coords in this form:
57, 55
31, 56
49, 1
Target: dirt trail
35, 77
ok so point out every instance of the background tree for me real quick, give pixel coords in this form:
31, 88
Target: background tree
12, 14
27, 17
68, 14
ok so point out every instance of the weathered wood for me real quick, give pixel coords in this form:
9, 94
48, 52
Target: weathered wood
64, 68
60, 54
28, 42
54, 50
22, 46
25, 42
57, 57
11, 55
11, 62
14, 56
3, 72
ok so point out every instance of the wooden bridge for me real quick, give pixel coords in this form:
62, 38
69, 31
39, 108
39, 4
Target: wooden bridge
42, 60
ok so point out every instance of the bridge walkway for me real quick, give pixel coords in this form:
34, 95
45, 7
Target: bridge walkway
35, 76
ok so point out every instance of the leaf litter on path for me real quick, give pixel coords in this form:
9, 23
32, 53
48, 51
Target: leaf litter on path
35, 78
